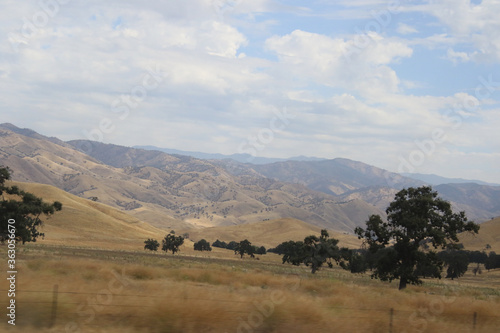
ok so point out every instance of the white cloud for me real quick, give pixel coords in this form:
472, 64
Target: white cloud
457, 57
229, 68
471, 24
405, 29
359, 64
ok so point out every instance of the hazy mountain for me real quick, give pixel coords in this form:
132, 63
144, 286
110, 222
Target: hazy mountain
337, 176
185, 192
481, 202
242, 158
30, 133
352, 180
175, 191
438, 180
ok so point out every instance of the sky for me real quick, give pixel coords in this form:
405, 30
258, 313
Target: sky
408, 86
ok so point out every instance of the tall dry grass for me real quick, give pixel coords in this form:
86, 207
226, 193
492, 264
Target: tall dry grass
131, 293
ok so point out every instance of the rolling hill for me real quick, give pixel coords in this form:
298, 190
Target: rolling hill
489, 234
182, 192
83, 222
336, 176
171, 191
269, 233
351, 180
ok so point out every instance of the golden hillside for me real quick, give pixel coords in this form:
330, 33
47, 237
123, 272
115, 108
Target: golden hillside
86, 223
489, 233
269, 233
171, 192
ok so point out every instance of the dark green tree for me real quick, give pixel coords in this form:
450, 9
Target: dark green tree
202, 245
356, 261
25, 208
456, 262
321, 250
260, 250
171, 242
477, 256
313, 251
151, 244
293, 252
244, 247
232, 245
220, 244
416, 217
492, 261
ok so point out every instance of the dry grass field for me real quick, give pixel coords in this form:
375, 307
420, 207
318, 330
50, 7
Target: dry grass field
125, 291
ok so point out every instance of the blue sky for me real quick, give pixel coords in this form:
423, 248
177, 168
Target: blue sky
402, 85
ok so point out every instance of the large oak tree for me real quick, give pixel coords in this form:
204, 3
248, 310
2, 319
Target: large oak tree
418, 221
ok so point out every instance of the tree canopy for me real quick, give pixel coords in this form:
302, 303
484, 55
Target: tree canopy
202, 245
151, 244
415, 218
245, 247
171, 242
314, 251
25, 208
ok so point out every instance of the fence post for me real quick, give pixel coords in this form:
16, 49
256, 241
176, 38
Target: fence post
54, 306
391, 320
474, 321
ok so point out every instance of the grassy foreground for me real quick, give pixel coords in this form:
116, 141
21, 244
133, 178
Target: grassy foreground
125, 291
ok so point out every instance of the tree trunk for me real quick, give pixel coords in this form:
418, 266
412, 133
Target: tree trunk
402, 283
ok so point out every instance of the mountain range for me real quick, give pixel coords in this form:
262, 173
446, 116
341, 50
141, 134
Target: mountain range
242, 158
183, 192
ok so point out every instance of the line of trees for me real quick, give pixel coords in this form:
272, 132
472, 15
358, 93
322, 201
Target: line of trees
241, 247
172, 243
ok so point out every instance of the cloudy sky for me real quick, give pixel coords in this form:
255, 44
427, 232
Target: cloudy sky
403, 85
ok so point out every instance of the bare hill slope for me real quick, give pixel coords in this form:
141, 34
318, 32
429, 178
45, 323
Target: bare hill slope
269, 233
174, 192
83, 222
489, 233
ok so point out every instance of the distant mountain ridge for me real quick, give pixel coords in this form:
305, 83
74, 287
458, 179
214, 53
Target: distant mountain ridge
186, 192
242, 158
178, 192
429, 179
439, 180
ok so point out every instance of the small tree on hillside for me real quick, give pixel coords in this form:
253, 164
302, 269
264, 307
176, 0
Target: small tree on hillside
415, 217
171, 242
202, 245
151, 244
244, 247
